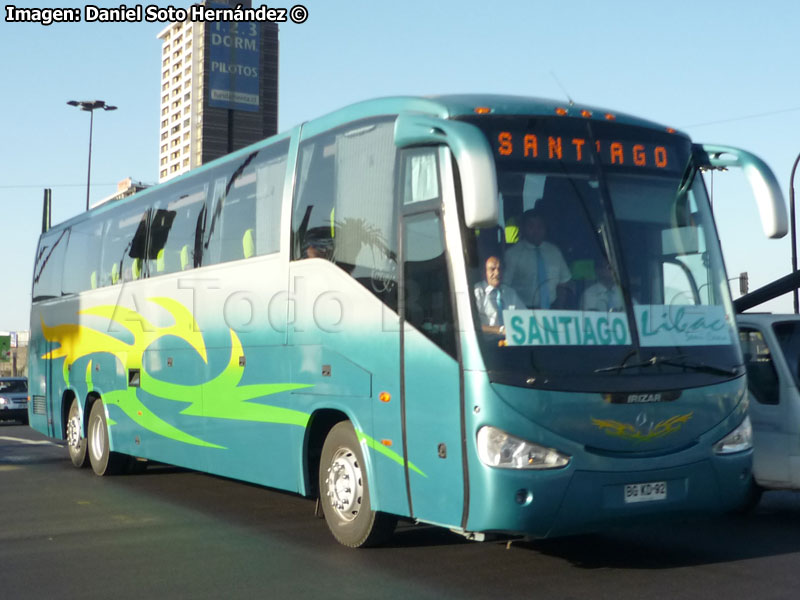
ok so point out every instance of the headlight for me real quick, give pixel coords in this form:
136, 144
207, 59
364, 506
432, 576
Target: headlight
738, 440
3, 401
496, 448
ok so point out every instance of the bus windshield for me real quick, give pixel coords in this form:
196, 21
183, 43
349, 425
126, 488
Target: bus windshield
605, 271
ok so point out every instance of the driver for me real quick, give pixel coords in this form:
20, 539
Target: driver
492, 297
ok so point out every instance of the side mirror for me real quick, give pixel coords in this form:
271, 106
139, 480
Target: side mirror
769, 197
473, 156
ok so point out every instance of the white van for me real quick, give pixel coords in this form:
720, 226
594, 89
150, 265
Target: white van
771, 347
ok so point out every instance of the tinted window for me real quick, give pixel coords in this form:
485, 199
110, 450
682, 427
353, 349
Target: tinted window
427, 285
10, 386
762, 380
82, 261
245, 216
49, 265
788, 334
124, 246
270, 177
345, 204
176, 231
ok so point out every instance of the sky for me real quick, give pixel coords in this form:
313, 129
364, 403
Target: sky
725, 72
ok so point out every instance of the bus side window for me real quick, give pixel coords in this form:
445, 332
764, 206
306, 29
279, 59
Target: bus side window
174, 226
238, 211
427, 284
49, 266
124, 244
345, 204
312, 222
270, 179
82, 259
762, 380
245, 215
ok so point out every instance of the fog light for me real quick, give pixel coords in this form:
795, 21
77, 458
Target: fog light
524, 497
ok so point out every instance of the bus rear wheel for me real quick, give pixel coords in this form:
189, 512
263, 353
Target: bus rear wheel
344, 492
103, 461
75, 443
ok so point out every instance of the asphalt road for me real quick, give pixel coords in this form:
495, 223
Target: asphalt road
171, 533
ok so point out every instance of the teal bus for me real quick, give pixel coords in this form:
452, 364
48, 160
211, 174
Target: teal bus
316, 313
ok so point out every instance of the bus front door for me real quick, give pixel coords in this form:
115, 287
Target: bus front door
431, 386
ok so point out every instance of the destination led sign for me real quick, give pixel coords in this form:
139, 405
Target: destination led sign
521, 145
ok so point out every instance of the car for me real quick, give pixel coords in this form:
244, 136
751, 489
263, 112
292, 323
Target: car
771, 350
14, 399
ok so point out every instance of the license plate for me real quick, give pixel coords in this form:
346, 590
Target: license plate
645, 492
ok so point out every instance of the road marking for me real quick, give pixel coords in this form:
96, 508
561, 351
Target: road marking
29, 442
8, 468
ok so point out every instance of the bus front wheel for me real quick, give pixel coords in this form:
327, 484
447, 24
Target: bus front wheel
344, 492
75, 443
103, 461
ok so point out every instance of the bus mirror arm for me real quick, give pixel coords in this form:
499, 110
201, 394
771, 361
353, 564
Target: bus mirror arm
473, 157
769, 198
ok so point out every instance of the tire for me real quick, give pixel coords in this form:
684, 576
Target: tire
344, 492
75, 443
753, 498
103, 461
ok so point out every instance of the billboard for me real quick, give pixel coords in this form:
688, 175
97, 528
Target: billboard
233, 50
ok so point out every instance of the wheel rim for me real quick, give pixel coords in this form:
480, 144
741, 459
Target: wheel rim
74, 432
345, 484
97, 438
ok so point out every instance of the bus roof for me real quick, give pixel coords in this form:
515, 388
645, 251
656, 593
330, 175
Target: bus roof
447, 106
453, 106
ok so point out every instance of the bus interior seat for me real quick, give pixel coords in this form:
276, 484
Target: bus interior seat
185, 257
114, 273
583, 275
513, 204
136, 268
160, 261
512, 230
93, 280
248, 244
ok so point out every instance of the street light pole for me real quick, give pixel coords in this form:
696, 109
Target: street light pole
91, 106
794, 230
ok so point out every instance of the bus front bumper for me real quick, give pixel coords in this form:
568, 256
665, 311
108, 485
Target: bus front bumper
550, 504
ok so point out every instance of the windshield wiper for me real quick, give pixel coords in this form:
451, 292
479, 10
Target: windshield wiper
672, 361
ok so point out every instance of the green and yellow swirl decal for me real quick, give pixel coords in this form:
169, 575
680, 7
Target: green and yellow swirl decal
221, 397
390, 454
631, 432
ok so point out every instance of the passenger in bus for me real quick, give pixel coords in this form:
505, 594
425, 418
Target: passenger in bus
314, 252
535, 268
492, 296
317, 248
605, 294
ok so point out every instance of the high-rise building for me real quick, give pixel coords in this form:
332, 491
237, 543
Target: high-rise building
219, 89
126, 187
